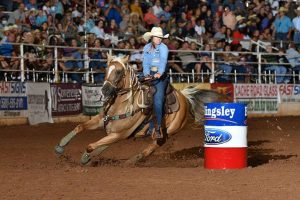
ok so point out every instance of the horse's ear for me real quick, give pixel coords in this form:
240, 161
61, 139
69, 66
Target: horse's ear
109, 57
125, 59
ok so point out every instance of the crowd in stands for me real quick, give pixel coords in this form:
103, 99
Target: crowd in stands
231, 28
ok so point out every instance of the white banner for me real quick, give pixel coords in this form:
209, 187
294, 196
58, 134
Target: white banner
289, 93
39, 103
91, 99
225, 136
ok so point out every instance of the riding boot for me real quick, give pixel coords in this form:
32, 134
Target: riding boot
158, 134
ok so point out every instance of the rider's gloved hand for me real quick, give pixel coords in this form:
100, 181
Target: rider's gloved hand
157, 75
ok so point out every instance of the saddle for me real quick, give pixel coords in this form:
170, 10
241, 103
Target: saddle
145, 98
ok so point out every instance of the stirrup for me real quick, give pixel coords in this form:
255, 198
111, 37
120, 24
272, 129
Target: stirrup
157, 134
147, 133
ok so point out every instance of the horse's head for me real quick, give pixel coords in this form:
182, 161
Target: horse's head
117, 68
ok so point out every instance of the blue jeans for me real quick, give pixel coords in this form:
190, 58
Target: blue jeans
158, 101
278, 70
281, 36
75, 63
227, 70
297, 37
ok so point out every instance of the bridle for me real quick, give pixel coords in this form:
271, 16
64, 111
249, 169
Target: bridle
131, 90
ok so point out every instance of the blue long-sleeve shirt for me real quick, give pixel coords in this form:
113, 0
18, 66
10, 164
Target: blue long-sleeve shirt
157, 57
283, 25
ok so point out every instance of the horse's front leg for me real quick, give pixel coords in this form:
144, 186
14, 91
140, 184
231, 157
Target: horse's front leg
99, 146
95, 122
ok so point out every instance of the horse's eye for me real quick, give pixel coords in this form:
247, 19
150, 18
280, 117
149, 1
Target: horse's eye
118, 72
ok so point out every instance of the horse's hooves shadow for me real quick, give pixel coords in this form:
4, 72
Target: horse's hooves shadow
259, 156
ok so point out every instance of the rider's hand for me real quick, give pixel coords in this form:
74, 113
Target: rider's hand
157, 75
147, 78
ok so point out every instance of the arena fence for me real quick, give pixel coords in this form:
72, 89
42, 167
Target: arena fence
254, 71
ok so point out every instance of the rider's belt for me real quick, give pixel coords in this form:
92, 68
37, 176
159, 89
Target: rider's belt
154, 69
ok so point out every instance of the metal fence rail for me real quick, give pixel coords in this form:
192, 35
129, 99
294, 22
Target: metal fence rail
55, 74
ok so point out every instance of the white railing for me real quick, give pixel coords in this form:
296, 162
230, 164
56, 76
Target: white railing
55, 74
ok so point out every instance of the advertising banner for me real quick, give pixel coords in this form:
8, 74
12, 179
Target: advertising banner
39, 103
13, 100
91, 99
66, 99
289, 93
260, 98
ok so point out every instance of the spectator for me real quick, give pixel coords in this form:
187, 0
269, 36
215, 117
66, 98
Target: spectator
32, 4
136, 8
216, 23
124, 23
293, 57
47, 7
266, 21
200, 27
112, 28
41, 18
188, 59
157, 9
58, 10
7, 51
228, 59
72, 61
282, 26
229, 19
151, 19
136, 24
296, 24
18, 16
99, 30
165, 15
113, 12
97, 65
221, 33
272, 66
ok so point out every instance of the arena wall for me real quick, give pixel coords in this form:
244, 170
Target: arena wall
77, 103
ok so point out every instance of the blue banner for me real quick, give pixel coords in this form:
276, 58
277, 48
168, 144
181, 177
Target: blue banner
225, 114
13, 103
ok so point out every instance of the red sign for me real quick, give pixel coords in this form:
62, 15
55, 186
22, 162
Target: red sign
224, 88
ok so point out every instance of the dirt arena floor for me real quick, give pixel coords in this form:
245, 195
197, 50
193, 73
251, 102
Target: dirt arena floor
29, 168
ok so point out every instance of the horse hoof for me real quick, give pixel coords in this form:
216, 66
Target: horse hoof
59, 149
134, 160
85, 158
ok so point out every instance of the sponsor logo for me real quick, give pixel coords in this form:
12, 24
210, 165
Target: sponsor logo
217, 112
216, 136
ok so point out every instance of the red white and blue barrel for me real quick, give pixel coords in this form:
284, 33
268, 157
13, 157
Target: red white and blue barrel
225, 143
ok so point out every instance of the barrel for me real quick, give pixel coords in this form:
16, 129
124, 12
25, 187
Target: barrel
225, 142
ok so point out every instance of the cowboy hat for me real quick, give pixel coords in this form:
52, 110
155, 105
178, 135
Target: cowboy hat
298, 9
155, 32
282, 9
239, 17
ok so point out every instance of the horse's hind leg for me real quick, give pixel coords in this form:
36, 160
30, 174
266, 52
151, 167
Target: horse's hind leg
92, 124
145, 153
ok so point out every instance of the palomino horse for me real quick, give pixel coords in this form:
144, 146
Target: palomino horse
123, 114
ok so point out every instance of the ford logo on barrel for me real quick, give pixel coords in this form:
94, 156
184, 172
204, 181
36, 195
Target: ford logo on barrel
216, 136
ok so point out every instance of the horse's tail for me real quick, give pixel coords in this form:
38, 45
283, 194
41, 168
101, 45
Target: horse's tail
197, 97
